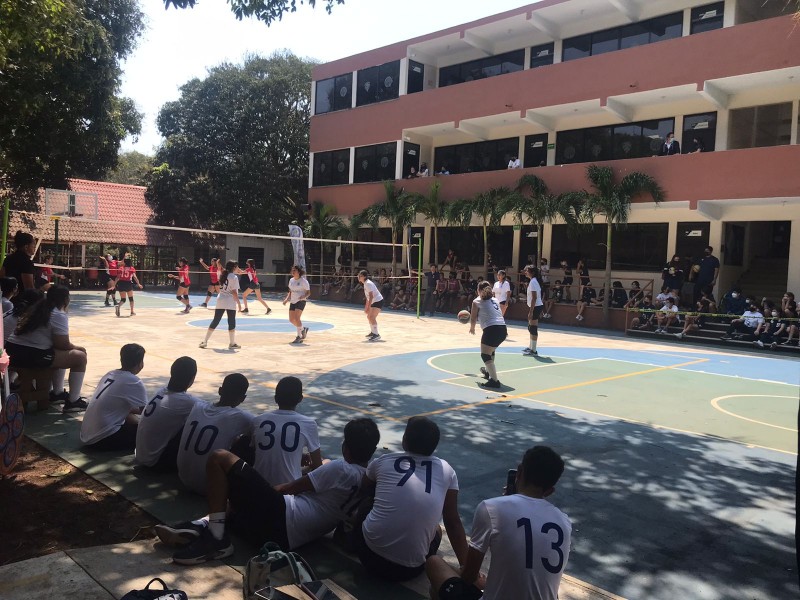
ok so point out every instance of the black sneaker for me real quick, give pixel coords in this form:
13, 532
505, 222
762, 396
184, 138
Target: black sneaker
305, 333
204, 305
180, 534
245, 311
203, 549
269, 310
375, 337
485, 373
369, 335
59, 398
108, 303
492, 383
298, 340
71, 406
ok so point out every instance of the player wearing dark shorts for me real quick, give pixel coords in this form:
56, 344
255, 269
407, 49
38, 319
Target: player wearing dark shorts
373, 303
126, 279
299, 292
486, 309
535, 308
253, 286
213, 272
109, 277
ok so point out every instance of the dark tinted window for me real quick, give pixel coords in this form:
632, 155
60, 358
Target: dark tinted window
640, 246
445, 158
597, 143
388, 81
653, 135
666, 27
577, 47
535, 150
322, 168
542, 55
416, 77
481, 156
375, 163
343, 97
633, 140
707, 18
257, 254
482, 68
332, 168
367, 82
628, 142
569, 147
324, 99
605, 41
703, 128
636, 34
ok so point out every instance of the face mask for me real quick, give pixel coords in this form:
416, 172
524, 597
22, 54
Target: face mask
734, 295
774, 313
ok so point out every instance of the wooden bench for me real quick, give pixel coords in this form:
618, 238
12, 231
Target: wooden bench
34, 386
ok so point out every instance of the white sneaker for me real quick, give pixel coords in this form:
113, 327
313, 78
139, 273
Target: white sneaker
203, 344
759, 343
234, 346
679, 335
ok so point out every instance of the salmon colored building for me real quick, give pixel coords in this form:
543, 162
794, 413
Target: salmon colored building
561, 84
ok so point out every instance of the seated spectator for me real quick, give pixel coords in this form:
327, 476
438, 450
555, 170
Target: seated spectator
225, 424
557, 294
791, 325
661, 298
712, 303
161, 424
514, 163
768, 330
667, 315
423, 170
9, 289
635, 295
544, 273
745, 325
734, 303
41, 341
618, 296
787, 302
697, 320
19, 304
600, 299
471, 289
414, 482
440, 291
496, 527
588, 298
112, 417
400, 300
443, 170
412, 173
291, 514
647, 312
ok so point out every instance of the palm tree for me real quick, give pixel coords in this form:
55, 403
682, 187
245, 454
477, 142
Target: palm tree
433, 208
613, 201
397, 208
489, 206
534, 202
323, 223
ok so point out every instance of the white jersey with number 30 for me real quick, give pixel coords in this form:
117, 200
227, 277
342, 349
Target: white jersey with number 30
279, 438
530, 541
207, 428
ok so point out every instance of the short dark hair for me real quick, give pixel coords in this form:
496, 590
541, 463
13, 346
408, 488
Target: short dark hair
363, 273
542, 467
421, 436
234, 385
58, 296
289, 391
130, 355
361, 436
22, 239
8, 285
709, 248
182, 374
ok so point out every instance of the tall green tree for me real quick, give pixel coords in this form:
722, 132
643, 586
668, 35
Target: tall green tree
612, 201
489, 206
398, 209
133, 168
267, 11
61, 114
323, 223
235, 154
434, 209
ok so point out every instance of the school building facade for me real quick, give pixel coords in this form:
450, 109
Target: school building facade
562, 84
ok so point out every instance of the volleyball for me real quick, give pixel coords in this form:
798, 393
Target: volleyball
463, 316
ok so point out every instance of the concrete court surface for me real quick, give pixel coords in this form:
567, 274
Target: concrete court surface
703, 510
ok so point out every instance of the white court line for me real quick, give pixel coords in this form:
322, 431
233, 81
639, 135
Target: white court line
531, 368
433, 366
715, 403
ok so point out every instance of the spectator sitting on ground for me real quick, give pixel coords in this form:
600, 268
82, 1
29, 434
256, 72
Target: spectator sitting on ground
667, 315
618, 296
496, 527
112, 417
635, 295
400, 300
745, 325
696, 321
557, 295
9, 289
768, 330
586, 299
647, 313
600, 299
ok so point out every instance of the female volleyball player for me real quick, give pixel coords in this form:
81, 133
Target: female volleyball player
372, 305
213, 286
227, 301
502, 291
299, 292
109, 277
486, 310
183, 283
125, 279
46, 274
253, 286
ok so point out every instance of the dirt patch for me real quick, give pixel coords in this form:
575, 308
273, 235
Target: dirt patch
48, 505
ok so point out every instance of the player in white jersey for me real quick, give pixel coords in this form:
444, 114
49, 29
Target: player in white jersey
486, 310
373, 303
299, 292
111, 419
162, 420
227, 301
212, 427
529, 539
291, 514
501, 290
535, 308
413, 491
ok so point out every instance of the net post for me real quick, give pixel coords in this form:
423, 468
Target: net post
4, 242
419, 272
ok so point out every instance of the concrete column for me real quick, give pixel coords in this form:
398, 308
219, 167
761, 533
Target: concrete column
403, 83
795, 118
687, 22
427, 250
527, 64
547, 244
729, 18
311, 169
313, 97
793, 279
351, 176
558, 50
551, 154
721, 140
398, 160
355, 86
715, 240
515, 244
679, 131
672, 239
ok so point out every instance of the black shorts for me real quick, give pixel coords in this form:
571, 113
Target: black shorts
123, 439
545, 291
214, 285
537, 312
494, 335
40, 282
504, 302
124, 286
27, 357
378, 304
104, 277
379, 566
456, 588
253, 286
566, 281
298, 306
258, 511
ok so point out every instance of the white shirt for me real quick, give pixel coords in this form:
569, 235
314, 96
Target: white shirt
298, 288
533, 286
225, 299
369, 286
116, 395
310, 516
7, 305
42, 337
544, 272
208, 428
669, 309
488, 312
501, 291
409, 499
514, 163
279, 438
752, 319
530, 543
162, 419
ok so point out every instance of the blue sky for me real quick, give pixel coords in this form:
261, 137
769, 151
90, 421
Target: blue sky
181, 44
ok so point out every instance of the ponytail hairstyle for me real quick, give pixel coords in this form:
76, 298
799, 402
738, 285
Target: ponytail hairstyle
182, 261
485, 290
533, 272
251, 263
37, 314
364, 273
230, 267
22, 239
300, 270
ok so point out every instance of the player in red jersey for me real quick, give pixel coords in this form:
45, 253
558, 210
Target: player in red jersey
213, 286
183, 283
126, 277
45, 278
110, 277
253, 286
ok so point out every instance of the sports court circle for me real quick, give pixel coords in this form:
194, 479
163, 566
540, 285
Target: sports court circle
262, 325
763, 409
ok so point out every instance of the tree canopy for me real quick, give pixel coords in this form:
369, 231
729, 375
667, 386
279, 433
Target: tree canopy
133, 168
60, 112
267, 11
235, 154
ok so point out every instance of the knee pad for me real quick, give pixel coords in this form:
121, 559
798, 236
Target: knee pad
178, 296
533, 330
122, 299
186, 296
486, 357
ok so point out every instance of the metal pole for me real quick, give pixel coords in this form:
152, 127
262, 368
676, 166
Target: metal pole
419, 273
56, 241
4, 241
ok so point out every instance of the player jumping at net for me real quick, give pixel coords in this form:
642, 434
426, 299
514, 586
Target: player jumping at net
486, 310
125, 280
110, 277
373, 303
253, 286
299, 292
183, 284
213, 286
227, 301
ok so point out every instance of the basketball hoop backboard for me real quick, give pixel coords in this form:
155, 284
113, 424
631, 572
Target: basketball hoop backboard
70, 203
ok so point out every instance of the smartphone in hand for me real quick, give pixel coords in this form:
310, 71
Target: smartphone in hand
511, 482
